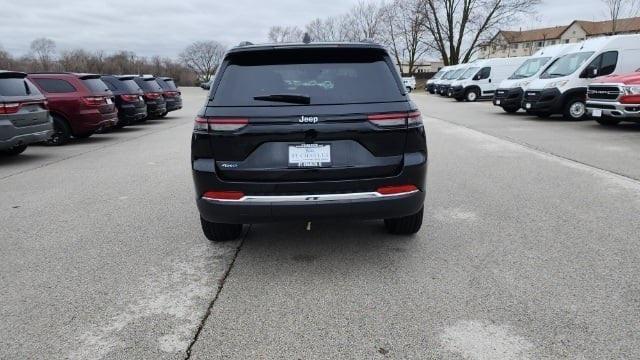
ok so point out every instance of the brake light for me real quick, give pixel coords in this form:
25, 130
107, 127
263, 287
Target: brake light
219, 124
223, 195
150, 95
396, 119
171, 93
45, 105
130, 98
397, 190
93, 100
9, 108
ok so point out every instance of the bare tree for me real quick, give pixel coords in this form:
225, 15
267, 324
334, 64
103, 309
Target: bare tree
457, 27
44, 49
404, 31
285, 34
203, 57
365, 20
617, 9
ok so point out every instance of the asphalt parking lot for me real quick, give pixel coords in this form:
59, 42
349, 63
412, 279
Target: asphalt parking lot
530, 249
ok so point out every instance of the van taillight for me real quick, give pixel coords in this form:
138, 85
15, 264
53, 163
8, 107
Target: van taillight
396, 119
9, 108
130, 98
219, 124
94, 100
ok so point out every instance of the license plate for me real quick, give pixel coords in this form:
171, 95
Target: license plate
527, 106
109, 101
497, 102
597, 113
309, 155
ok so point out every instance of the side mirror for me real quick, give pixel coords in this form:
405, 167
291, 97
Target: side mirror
477, 77
594, 72
590, 72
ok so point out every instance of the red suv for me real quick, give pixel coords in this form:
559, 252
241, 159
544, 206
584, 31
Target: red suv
80, 104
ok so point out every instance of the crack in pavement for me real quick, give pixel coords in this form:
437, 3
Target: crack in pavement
217, 295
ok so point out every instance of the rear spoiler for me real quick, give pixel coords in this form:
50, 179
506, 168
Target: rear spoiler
12, 75
89, 76
126, 77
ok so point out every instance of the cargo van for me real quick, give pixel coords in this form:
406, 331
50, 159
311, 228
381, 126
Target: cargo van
445, 83
481, 79
430, 86
562, 87
510, 91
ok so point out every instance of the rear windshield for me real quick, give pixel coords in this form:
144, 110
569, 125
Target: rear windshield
167, 84
325, 76
130, 86
95, 85
150, 85
17, 87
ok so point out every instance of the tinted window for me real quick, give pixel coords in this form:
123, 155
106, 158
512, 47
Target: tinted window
17, 87
55, 85
608, 64
130, 86
484, 73
149, 85
168, 84
110, 84
326, 76
530, 68
95, 85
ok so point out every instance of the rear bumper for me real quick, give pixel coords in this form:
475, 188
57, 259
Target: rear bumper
156, 108
615, 110
174, 104
132, 112
93, 120
23, 135
508, 98
285, 201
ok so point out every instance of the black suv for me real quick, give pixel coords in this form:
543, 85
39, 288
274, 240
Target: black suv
305, 132
153, 95
128, 98
24, 118
171, 94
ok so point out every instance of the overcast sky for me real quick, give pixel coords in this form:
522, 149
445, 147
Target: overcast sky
165, 27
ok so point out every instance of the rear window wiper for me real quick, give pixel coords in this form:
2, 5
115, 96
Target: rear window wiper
290, 98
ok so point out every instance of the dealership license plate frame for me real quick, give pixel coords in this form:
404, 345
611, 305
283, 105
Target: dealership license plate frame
305, 156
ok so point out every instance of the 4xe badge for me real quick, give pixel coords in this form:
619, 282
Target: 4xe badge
308, 119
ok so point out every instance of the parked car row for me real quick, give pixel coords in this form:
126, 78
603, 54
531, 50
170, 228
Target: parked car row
55, 107
598, 78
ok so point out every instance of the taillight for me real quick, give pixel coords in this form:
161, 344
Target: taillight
219, 124
396, 119
151, 95
397, 190
45, 105
9, 108
130, 98
171, 93
223, 195
93, 100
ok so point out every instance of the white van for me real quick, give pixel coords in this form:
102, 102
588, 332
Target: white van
510, 91
482, 78
445, 82
430, 86
562, 87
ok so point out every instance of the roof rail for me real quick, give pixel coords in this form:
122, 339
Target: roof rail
245, 43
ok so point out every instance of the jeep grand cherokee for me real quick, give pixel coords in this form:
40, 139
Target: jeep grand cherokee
305, 132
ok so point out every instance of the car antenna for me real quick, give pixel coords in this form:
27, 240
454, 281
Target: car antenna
307, 38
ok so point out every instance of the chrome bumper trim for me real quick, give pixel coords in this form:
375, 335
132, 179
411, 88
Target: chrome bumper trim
309, 197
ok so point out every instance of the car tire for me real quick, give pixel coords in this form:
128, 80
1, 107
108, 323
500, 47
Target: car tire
220, 232
61, 132
608, 122
471, 95
511, 109
163, 114
459, 99
575, 109
16, 150
407, 225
